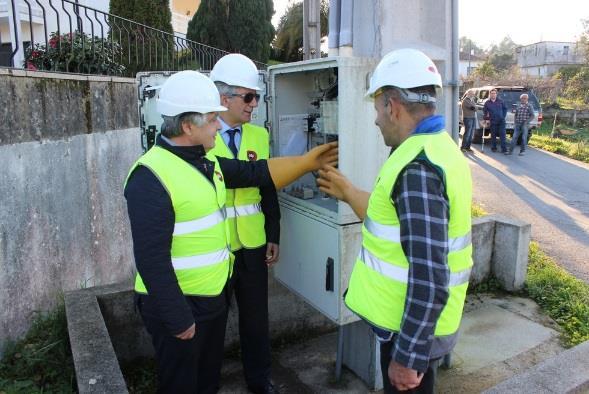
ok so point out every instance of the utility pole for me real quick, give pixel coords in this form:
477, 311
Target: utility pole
469, 53
311, 29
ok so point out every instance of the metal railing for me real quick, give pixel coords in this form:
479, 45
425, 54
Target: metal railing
63, 35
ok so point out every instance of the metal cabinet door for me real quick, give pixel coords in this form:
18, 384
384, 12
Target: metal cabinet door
310, 260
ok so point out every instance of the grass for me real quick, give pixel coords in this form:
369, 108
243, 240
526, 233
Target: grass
572, 146
476, 210
42, 361
563, 297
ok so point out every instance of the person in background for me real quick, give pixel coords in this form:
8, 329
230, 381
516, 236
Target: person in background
410, 277
495, 111
468, 120
254, 215
176, 204
524, 114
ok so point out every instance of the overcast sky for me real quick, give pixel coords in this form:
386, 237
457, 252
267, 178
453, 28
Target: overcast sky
525, 21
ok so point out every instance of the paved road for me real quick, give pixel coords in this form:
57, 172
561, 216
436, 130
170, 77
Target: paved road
547, 190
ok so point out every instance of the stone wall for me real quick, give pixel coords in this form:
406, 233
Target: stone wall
66, 144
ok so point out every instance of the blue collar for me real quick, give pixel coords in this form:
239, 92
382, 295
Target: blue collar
225, 126
431, 124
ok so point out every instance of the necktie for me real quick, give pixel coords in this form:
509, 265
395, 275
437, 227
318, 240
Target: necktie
231, 145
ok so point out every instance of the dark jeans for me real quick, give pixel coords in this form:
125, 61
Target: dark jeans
427, 383
469, 124
498, 128
250, 284
188, 366
519, 129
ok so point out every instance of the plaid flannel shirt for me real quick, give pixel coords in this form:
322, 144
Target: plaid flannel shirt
423, 211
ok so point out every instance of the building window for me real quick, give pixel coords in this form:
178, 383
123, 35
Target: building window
565, 50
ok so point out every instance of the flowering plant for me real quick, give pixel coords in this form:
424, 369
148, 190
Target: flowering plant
75, 52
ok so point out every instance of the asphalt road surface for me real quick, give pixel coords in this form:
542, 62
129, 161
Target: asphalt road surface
547, 190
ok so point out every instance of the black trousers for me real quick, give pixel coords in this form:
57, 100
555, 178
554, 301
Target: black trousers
250, 284
427, 383
188, 366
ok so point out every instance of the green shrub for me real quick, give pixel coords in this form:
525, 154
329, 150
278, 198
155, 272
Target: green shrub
75, 52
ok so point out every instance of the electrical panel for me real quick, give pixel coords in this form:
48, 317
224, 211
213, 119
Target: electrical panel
319, 101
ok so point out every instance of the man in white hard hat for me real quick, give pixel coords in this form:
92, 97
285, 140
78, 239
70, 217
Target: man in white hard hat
254, 215
176, 204
410, 278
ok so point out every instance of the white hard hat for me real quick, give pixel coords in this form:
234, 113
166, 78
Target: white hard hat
236, 70
404, 68
188, 91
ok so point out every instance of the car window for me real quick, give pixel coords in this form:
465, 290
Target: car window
511, 97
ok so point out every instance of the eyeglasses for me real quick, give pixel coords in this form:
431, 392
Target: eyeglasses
247, 97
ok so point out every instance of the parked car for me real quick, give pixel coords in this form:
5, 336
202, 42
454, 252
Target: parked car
509, 95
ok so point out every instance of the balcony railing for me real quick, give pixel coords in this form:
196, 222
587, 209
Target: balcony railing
62, 35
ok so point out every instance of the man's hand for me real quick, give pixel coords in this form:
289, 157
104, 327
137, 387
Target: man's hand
272, 253
403, 378
322, 155
333, 182
188, 334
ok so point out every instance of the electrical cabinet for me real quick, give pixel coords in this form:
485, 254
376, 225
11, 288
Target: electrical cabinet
311, 103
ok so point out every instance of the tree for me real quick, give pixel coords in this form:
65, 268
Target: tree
143, 49
288, 44
502, 55
235, 26
576, 88
485, 71
466, 45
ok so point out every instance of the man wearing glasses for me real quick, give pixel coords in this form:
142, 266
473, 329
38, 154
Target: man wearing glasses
253, 213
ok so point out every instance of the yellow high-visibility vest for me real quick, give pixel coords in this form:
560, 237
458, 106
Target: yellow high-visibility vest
378, 284
200, 251
244, 212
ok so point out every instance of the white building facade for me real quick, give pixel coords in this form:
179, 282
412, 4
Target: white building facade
543, 59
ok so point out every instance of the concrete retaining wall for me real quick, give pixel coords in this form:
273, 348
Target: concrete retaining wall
66, 144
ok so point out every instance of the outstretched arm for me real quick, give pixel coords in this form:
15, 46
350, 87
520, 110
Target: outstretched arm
285, 170
334, 183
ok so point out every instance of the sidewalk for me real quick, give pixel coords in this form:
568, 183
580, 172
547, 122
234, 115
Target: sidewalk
500, 337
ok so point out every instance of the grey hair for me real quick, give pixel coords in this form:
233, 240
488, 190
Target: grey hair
225, 89
172, 126
414, 109
523, 95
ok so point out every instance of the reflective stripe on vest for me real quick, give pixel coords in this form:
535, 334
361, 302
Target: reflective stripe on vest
247, 222
199, 252
393, 234
378, 285
244, 210
199, 224
401, 274
201, 260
